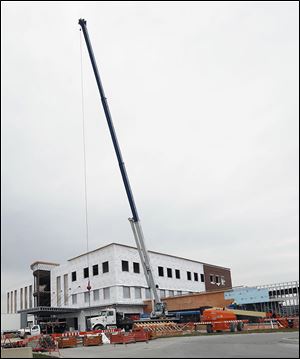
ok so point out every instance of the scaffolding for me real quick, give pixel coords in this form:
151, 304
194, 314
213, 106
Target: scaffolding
284, 298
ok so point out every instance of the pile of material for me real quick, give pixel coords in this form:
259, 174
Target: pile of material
160, 329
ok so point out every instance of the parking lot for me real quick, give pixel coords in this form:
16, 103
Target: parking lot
254, 345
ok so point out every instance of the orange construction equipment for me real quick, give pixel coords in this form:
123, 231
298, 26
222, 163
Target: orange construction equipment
221, 319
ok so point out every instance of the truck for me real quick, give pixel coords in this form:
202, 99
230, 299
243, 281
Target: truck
34, 330
43, 328
110, 318
158, 307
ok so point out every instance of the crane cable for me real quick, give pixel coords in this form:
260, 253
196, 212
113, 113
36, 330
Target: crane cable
85, 166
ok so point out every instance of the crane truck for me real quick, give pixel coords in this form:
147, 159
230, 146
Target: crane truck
159, 308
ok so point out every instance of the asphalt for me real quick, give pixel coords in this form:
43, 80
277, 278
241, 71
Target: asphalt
252, 345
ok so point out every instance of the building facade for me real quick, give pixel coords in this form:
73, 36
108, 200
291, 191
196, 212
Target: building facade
112, 276
279, 298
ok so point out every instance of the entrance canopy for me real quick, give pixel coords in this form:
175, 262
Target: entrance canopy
48, 311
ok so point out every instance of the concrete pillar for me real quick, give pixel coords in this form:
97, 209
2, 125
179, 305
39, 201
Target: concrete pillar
23, 320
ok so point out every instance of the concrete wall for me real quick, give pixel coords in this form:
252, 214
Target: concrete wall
17, 353
10, 321
116, 279
15, 302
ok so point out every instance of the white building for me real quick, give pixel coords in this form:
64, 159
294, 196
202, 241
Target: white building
115, 275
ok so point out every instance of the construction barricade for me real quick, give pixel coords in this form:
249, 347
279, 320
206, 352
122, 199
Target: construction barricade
89, 340
66, 342
160, 329
122, 338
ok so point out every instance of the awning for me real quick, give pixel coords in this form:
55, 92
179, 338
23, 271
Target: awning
48, 310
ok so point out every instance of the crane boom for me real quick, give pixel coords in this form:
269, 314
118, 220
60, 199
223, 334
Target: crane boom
159, 309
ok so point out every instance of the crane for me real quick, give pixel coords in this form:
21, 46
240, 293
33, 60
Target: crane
159, 308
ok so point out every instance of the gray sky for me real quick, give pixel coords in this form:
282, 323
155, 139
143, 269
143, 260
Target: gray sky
204, 98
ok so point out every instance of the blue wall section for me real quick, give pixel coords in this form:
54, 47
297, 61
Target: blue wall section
248, 295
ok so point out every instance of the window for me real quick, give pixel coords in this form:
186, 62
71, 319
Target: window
7, 309
74, 277
66, 293
21, 298
105, 267
179, 292
74, 298
169, 272
196, 277
161, 271
110, 313
217, 279
126, 292
223, 280
211, 277
177, 273
171, 293
58, 291
189, 275
136, 267
138, 293
162, 293
96, 294
202, 277
86, 272
147, 293
86, 297
26, 297
15, 298
95, 269
106, 291
125, 266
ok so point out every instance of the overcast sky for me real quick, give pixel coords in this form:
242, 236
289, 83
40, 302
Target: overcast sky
204, 99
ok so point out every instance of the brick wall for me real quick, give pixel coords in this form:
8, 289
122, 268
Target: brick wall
221, 278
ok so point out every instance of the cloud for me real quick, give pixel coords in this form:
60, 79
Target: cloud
205, 105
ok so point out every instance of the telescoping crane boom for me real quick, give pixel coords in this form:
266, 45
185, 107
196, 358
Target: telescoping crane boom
159, 307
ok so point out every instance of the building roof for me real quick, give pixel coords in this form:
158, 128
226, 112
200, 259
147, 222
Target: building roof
43, 262
127, 246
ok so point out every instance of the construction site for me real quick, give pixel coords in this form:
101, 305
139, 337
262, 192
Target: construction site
119, 300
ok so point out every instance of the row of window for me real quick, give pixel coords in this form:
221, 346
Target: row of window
25, 299
127, 294
284, 292
95, 268
135, 267
216, 279
178, 275
105, 269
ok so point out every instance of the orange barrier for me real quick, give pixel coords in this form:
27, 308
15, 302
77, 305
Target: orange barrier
122, 338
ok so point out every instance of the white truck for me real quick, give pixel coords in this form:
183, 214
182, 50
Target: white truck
34, 330
110, 318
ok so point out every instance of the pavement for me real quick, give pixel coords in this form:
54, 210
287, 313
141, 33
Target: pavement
252, 345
